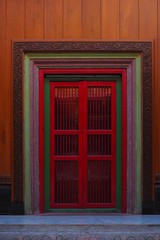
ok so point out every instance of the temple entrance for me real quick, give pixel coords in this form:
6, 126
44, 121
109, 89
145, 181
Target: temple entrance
82, 153
131, 61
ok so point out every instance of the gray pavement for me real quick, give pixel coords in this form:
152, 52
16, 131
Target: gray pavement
80, 227
81, 219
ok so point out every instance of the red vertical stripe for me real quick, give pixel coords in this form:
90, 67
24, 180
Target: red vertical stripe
52, 142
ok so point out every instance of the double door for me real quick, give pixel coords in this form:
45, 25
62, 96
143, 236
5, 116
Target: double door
83, 144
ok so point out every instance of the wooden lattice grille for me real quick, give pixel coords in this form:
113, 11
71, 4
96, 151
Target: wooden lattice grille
82, 144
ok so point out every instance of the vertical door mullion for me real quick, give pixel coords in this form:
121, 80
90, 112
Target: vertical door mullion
113, 142
52, 136
84, 115
80, 144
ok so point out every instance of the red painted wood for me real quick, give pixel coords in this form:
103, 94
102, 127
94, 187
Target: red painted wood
83, 117
113, 151
65, 125
91, 71
81, 140
52, 126
102, 159
83, 134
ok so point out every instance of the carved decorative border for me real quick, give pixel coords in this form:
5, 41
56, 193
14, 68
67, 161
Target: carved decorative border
19, 48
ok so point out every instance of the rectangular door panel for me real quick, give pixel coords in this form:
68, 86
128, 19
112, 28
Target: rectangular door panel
100, 138
64, 145
82, 144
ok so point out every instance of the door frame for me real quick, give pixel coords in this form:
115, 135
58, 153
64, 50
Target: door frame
46, 207
142, 49
82, 157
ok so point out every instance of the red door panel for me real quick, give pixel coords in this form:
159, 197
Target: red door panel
100, 135
82, 144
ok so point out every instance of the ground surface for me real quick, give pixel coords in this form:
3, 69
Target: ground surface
80, 226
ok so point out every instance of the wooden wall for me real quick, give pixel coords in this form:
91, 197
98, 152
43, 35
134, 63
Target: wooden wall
73, 19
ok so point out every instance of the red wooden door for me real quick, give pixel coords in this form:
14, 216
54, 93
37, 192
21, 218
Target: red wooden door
82, 144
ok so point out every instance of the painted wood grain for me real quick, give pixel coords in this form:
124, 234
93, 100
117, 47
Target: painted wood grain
128, 19
110, 19
156, 92
34, 19
91, 23
15, 19
2, 19
72, 19
147, 19
3, 162
2, 82
53, 19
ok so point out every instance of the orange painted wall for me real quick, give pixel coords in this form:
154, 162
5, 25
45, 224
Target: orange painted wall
73, 19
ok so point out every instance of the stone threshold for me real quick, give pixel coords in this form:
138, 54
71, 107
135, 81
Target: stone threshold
80, 227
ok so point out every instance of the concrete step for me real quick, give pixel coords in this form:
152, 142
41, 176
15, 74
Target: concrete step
80, 227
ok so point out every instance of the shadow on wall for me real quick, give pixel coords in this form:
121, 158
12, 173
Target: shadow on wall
5, 199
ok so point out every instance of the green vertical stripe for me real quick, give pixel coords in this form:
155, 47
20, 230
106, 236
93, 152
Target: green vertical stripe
26, 139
